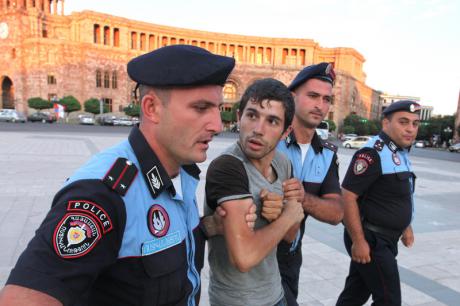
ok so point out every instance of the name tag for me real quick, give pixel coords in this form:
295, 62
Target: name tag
160, 244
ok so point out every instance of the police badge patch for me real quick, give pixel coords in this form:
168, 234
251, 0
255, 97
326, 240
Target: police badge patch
75, 235
158, 221
396, 159
360, 166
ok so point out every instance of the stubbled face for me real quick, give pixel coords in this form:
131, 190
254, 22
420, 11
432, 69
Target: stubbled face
312, 102
402, 128
189, 120
261, 127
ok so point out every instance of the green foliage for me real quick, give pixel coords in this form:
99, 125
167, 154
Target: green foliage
39, 103
70, 104
226, 116
92, 106
348, 129
332, 126
133, 110
361, 125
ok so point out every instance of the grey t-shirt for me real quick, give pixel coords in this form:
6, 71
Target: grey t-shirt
231, 176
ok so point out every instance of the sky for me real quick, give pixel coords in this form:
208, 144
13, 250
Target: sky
411, 47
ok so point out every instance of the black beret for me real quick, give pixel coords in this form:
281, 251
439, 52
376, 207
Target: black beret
322, 71
180, 65
402, 106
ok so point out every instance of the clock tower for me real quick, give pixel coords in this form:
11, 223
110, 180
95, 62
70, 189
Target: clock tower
24, 27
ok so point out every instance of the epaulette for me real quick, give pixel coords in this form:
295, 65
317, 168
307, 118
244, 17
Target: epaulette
120, 176
329, 145
379, 144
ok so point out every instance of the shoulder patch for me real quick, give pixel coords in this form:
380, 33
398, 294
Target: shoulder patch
75, 235
378, 145
120, 176
93, 209
360, 166
329, 145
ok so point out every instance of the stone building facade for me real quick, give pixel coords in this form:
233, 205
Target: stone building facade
48, 54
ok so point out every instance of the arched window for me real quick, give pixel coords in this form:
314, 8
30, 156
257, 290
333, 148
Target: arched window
97, 34
106, 35
230, 92
98, 78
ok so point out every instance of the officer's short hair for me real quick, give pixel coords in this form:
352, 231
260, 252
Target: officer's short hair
272, 90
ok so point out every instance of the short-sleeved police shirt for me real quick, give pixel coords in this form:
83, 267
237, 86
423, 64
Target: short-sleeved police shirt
138, 246
380, 174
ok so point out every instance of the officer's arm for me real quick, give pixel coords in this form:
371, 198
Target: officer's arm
327, 208
352, 217
246, 247
22, 296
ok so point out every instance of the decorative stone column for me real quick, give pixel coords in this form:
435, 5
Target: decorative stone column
55, 11
47, 7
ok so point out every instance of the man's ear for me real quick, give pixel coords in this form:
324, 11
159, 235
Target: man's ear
151, 107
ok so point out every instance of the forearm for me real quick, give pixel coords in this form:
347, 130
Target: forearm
247, 251
352, 219
18, 295
325, 209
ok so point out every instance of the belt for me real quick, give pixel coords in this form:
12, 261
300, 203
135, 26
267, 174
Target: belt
381, 230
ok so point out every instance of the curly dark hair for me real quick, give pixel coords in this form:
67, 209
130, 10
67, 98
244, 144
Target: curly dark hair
271, 90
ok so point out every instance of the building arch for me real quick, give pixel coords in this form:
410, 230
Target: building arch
7, 93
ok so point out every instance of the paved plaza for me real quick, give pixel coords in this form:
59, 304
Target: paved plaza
35, 164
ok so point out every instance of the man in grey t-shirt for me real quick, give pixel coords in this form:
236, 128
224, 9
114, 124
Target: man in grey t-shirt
243, 265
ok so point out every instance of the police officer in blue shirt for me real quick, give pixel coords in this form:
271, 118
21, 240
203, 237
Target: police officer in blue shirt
378, 198
315, 164
125, 229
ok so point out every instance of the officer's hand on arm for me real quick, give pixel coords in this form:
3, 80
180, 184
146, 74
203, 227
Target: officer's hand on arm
293, 189
272, 205
407, 237
19, 296
213, 223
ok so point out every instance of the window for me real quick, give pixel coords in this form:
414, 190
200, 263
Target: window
143, 41
229, 91
44, 30
116, 37
51, 80
133, 40
114, 79
108, 102
106, 79
151, 42
98, 78
106, 35
97, 34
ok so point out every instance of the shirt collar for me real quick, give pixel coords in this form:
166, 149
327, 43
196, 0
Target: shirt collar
155, 175
316, 143
390, 143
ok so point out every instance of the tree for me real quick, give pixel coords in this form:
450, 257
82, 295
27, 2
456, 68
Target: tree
348, 129
332, 126
39, 103
70, 103
133, 110
92, 106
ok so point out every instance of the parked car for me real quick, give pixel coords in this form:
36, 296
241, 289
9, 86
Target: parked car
419, 144
41, 117
86, 119
11, 115
123, 121
454, 148
356, 142
106, 119
348, 137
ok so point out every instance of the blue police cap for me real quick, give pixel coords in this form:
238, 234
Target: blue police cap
402, 106
322, 71
180, 65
